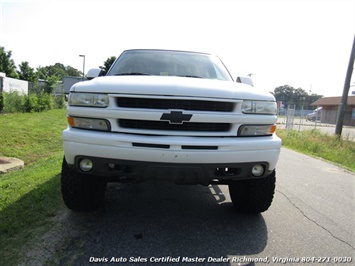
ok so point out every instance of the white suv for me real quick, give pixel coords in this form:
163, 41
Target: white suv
171, 116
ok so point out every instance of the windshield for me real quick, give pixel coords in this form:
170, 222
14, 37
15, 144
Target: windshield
169, 63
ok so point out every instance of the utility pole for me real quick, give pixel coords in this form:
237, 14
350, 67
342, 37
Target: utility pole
344, 99
83, 56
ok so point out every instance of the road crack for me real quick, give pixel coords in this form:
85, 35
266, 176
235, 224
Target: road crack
315, 222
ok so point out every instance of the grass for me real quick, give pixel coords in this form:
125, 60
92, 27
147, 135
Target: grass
314, 142
29, 198
31, 136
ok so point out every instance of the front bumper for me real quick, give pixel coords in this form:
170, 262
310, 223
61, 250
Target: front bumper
147, 156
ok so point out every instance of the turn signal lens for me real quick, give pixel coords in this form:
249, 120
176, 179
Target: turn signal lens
273, 129
89, 123
256, 130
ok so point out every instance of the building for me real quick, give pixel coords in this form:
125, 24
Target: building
10, 85
330, 107
67, 82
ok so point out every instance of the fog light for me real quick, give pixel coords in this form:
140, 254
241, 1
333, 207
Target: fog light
86, 165
257, 170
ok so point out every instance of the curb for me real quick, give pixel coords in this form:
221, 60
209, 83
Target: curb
10, 164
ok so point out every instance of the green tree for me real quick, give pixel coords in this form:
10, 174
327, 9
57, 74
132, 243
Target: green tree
285, 94
107, 64
295, 97
58, 70
26, 72
44, 72
311, 99
7, 65
53, 74
300, 97
52, 81
73, 72
41, 72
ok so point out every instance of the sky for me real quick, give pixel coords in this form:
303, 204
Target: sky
305, 43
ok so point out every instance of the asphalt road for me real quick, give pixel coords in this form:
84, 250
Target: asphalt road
311, 219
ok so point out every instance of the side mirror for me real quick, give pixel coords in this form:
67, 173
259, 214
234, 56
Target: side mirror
245, 80
93, 73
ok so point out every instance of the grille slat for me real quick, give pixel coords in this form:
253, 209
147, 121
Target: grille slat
194, 105
162, 125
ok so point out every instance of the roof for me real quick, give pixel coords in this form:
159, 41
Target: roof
333, 101
165, 50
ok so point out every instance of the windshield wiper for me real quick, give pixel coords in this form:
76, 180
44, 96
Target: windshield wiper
132, 73
189, 76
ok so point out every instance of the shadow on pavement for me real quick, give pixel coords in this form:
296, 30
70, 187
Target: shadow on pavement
163, 222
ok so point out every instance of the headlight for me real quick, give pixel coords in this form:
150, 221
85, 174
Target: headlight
256, 130
88, 99
89, 123
259, 107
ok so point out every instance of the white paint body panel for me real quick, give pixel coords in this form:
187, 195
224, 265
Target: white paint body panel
118, 143
119, 146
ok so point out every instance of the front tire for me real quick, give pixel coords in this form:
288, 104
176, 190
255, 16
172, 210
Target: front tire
81, 192
253, 196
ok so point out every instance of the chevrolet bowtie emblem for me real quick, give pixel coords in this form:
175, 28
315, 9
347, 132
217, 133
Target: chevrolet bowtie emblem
175, 117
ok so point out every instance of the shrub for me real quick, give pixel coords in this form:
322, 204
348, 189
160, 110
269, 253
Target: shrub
1, 102
45, 102
59, 102
13, 102
31, 103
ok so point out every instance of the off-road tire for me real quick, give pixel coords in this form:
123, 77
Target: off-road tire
253, 196
81, 192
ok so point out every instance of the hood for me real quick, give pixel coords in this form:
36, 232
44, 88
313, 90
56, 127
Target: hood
172, 86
